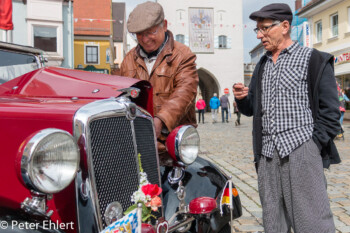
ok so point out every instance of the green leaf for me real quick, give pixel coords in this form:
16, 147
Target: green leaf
131, 208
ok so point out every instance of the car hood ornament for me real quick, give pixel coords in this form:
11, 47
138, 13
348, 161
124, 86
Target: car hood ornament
133, 92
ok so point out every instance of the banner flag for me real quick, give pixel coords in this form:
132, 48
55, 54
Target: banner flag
128, 223
6, 15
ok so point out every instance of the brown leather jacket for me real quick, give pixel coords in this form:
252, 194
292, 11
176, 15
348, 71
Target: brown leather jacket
174, 79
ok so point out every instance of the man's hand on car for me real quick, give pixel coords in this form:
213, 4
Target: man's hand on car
158, 125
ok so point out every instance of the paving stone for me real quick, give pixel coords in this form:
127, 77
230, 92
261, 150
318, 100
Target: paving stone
250, 228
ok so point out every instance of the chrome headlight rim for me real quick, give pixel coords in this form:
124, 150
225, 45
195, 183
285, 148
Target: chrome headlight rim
29, 154
179, 140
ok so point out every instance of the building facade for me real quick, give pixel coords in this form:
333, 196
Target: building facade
93, 42
119, 34
44, 24
212, 30
329, 23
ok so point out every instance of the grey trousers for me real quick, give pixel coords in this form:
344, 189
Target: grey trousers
293, 192
214, 114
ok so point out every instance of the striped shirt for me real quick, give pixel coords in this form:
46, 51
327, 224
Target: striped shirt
286, 114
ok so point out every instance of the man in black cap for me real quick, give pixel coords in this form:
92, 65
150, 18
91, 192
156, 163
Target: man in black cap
293, 100
168, 65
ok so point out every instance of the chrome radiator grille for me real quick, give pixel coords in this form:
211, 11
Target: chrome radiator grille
114, 160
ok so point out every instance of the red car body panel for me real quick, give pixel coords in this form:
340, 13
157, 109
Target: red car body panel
43, 99
60, 82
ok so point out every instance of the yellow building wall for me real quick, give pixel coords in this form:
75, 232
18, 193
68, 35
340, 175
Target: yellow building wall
343, 26
79, 54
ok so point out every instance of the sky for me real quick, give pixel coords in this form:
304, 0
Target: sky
249, 6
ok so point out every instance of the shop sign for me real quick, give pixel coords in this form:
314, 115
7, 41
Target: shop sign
345, 57
306, 33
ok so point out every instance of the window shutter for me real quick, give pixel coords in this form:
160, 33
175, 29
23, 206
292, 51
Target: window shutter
216, 42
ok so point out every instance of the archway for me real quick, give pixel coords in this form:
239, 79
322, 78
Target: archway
208, 85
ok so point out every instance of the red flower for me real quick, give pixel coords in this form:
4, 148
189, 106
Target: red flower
151, 189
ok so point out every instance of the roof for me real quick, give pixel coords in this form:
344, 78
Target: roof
309, 6
118, 15
92, 17
256, 48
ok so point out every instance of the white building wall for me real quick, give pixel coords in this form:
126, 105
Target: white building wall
225, 64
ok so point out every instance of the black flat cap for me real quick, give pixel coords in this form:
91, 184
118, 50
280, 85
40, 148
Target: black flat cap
278, 11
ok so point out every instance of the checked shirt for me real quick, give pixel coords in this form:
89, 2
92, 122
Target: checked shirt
286, 115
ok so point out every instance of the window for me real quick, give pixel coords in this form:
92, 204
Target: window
180, 38
222, 41
334, 25
45, 38
318, 27
91, 54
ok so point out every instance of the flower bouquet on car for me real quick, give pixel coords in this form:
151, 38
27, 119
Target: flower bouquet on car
147, 195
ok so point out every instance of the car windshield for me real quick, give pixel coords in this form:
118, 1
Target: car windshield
14, 64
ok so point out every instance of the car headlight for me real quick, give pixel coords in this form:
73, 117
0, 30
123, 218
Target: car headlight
50, 161
183, 144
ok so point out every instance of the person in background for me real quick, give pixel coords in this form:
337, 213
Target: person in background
214, 105
236, 111
292, 126
168, 65
200, 105
342, 99
225, 107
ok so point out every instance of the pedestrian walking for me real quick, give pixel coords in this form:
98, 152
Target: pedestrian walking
157, 57
200, 105
225, 106
214, 105
342, 99
236, 111
292, 126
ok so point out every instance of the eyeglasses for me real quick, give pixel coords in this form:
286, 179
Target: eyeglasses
265, 29
148, 33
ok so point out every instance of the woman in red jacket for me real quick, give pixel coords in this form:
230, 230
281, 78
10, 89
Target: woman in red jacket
200, 105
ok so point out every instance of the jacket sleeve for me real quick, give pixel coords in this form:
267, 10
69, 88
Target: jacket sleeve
327, 124
185, 90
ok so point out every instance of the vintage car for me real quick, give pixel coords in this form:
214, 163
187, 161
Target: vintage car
69, 161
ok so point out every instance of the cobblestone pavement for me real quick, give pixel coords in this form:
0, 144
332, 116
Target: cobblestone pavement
230, 147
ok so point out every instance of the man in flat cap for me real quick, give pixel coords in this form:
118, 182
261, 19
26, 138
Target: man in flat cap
168, 65
293, 100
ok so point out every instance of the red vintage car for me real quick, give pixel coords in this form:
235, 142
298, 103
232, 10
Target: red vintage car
69, 153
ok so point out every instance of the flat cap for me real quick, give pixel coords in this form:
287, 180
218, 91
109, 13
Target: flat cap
278, 11
144, 16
